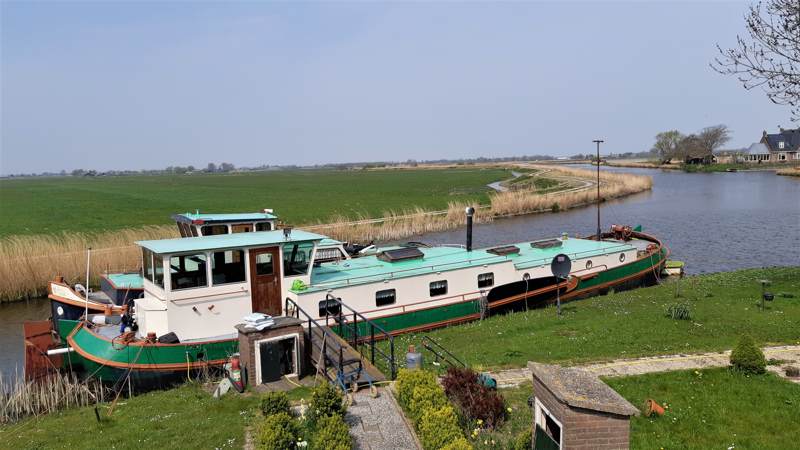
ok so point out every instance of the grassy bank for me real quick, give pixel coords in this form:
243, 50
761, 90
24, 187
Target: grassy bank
633, 323
790, 172
713, 408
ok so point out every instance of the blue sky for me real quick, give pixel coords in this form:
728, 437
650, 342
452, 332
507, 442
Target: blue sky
146, 85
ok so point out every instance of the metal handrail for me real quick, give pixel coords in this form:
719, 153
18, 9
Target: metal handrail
357, 341
448, 357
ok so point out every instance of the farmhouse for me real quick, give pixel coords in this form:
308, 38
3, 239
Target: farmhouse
777, 147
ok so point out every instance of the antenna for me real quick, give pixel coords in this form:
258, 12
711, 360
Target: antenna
598, 142
560, 266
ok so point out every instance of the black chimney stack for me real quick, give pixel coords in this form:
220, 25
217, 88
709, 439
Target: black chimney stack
470, 212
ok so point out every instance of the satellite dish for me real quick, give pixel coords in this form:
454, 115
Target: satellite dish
561, 266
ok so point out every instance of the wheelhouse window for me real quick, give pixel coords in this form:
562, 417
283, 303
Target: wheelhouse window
385, 297
147, 264
438, 288
263, 226
242, 228
328, 254
158, 270
264, 265
211, 230
188, 271
227, 267
296, 256
486, 280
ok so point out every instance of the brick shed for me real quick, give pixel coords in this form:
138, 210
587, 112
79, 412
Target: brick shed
273, 352
573, 409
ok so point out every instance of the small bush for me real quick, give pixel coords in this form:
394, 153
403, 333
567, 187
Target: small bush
522, 441
555, 207
746, 357
278, 432
407, 380
438, 427
679, 311
333, 434
474, 400
326, 401
425, 398
459, 444
275, 403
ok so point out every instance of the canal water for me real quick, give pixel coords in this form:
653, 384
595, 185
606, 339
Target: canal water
713, 222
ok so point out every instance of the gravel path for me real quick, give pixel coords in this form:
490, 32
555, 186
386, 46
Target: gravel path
790, 354
378, 423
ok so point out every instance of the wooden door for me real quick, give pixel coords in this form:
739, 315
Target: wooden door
265, 280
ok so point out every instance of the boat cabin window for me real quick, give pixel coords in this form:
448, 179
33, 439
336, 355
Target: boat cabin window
242, 228
438, 288
328, 254
264, 265
211, 230
158, 271
188, 271
227, 267
147, 264
486, 280
296, 257
385, 297
263, 226
330, 308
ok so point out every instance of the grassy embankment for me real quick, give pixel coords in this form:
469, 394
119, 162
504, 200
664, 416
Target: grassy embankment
790, 172
633, 323
713, 408
99, 212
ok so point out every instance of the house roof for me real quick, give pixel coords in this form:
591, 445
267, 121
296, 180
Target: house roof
226, 218
758, 148
791, 139
220, 241
581, 389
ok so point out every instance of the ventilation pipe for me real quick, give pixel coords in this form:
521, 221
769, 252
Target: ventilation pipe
470, 212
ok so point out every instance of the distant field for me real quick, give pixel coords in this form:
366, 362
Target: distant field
52, 205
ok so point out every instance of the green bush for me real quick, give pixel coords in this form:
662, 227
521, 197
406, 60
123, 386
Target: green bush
555, 207
333, 434
522, 441
746, 357
459, 444
278, 432
407, 380
326, 400
426, 398
438, 428
274, 403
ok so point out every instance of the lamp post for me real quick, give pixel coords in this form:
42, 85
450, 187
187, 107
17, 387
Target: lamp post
598, 142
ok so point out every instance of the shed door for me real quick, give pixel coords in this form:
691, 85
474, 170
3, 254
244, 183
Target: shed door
265, 281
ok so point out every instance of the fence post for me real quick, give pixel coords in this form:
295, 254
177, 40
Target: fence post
391, 353
372, 342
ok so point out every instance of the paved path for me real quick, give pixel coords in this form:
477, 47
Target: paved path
378, 423
639, 366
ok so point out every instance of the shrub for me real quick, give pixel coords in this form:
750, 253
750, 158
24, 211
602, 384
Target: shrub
438, 427
555, 207
278, 432
333, 434
459, 444
275, 403
425, 398
679, 311
326, 400
746, 357
522, 441
474, 400
407, 380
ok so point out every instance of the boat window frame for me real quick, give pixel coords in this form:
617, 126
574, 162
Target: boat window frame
287, 264
431, 288
214, 225
490, 278
148, 270
264, 222
381, 301
206, 272
210, 262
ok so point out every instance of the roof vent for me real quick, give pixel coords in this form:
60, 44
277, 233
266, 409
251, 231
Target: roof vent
546, 243
400, 254
505, 250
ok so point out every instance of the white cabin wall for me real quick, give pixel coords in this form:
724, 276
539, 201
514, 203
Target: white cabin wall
208, 316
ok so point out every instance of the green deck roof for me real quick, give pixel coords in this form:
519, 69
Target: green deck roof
233, 217
219, 241
370, 269
126, 280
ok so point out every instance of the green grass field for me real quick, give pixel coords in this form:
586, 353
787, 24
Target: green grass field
632, 323
48, 205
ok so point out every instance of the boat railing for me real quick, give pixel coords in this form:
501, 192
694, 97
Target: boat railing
441, 353
464, 297
361, 333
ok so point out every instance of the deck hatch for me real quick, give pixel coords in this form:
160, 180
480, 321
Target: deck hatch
400, 254
504, 250
546, 243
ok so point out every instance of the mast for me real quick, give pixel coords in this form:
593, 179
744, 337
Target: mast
598, 141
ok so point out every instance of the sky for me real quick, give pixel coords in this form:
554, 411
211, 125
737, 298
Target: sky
142, 85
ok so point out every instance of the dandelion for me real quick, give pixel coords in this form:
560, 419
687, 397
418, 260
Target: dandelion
509, 409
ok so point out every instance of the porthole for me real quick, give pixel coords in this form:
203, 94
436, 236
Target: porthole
621, 257
589, 264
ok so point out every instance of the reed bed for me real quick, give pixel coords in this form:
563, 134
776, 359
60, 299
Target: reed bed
789, 172
20, 399
27, 263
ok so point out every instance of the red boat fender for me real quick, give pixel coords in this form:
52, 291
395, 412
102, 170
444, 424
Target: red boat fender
236, 374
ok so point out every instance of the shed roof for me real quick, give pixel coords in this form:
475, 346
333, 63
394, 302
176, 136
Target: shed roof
216, 218
219, 241
581, 389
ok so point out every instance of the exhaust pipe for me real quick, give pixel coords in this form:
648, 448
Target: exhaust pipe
470, 212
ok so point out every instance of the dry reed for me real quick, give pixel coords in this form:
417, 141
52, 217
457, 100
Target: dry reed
27, 263
20, 398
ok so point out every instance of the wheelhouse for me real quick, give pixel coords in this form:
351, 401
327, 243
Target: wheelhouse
197, 224
197, 287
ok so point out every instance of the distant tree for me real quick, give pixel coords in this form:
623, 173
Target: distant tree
190, 168
211, 168
226, 167
667, 145
713, 138
770, 57
78, 172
